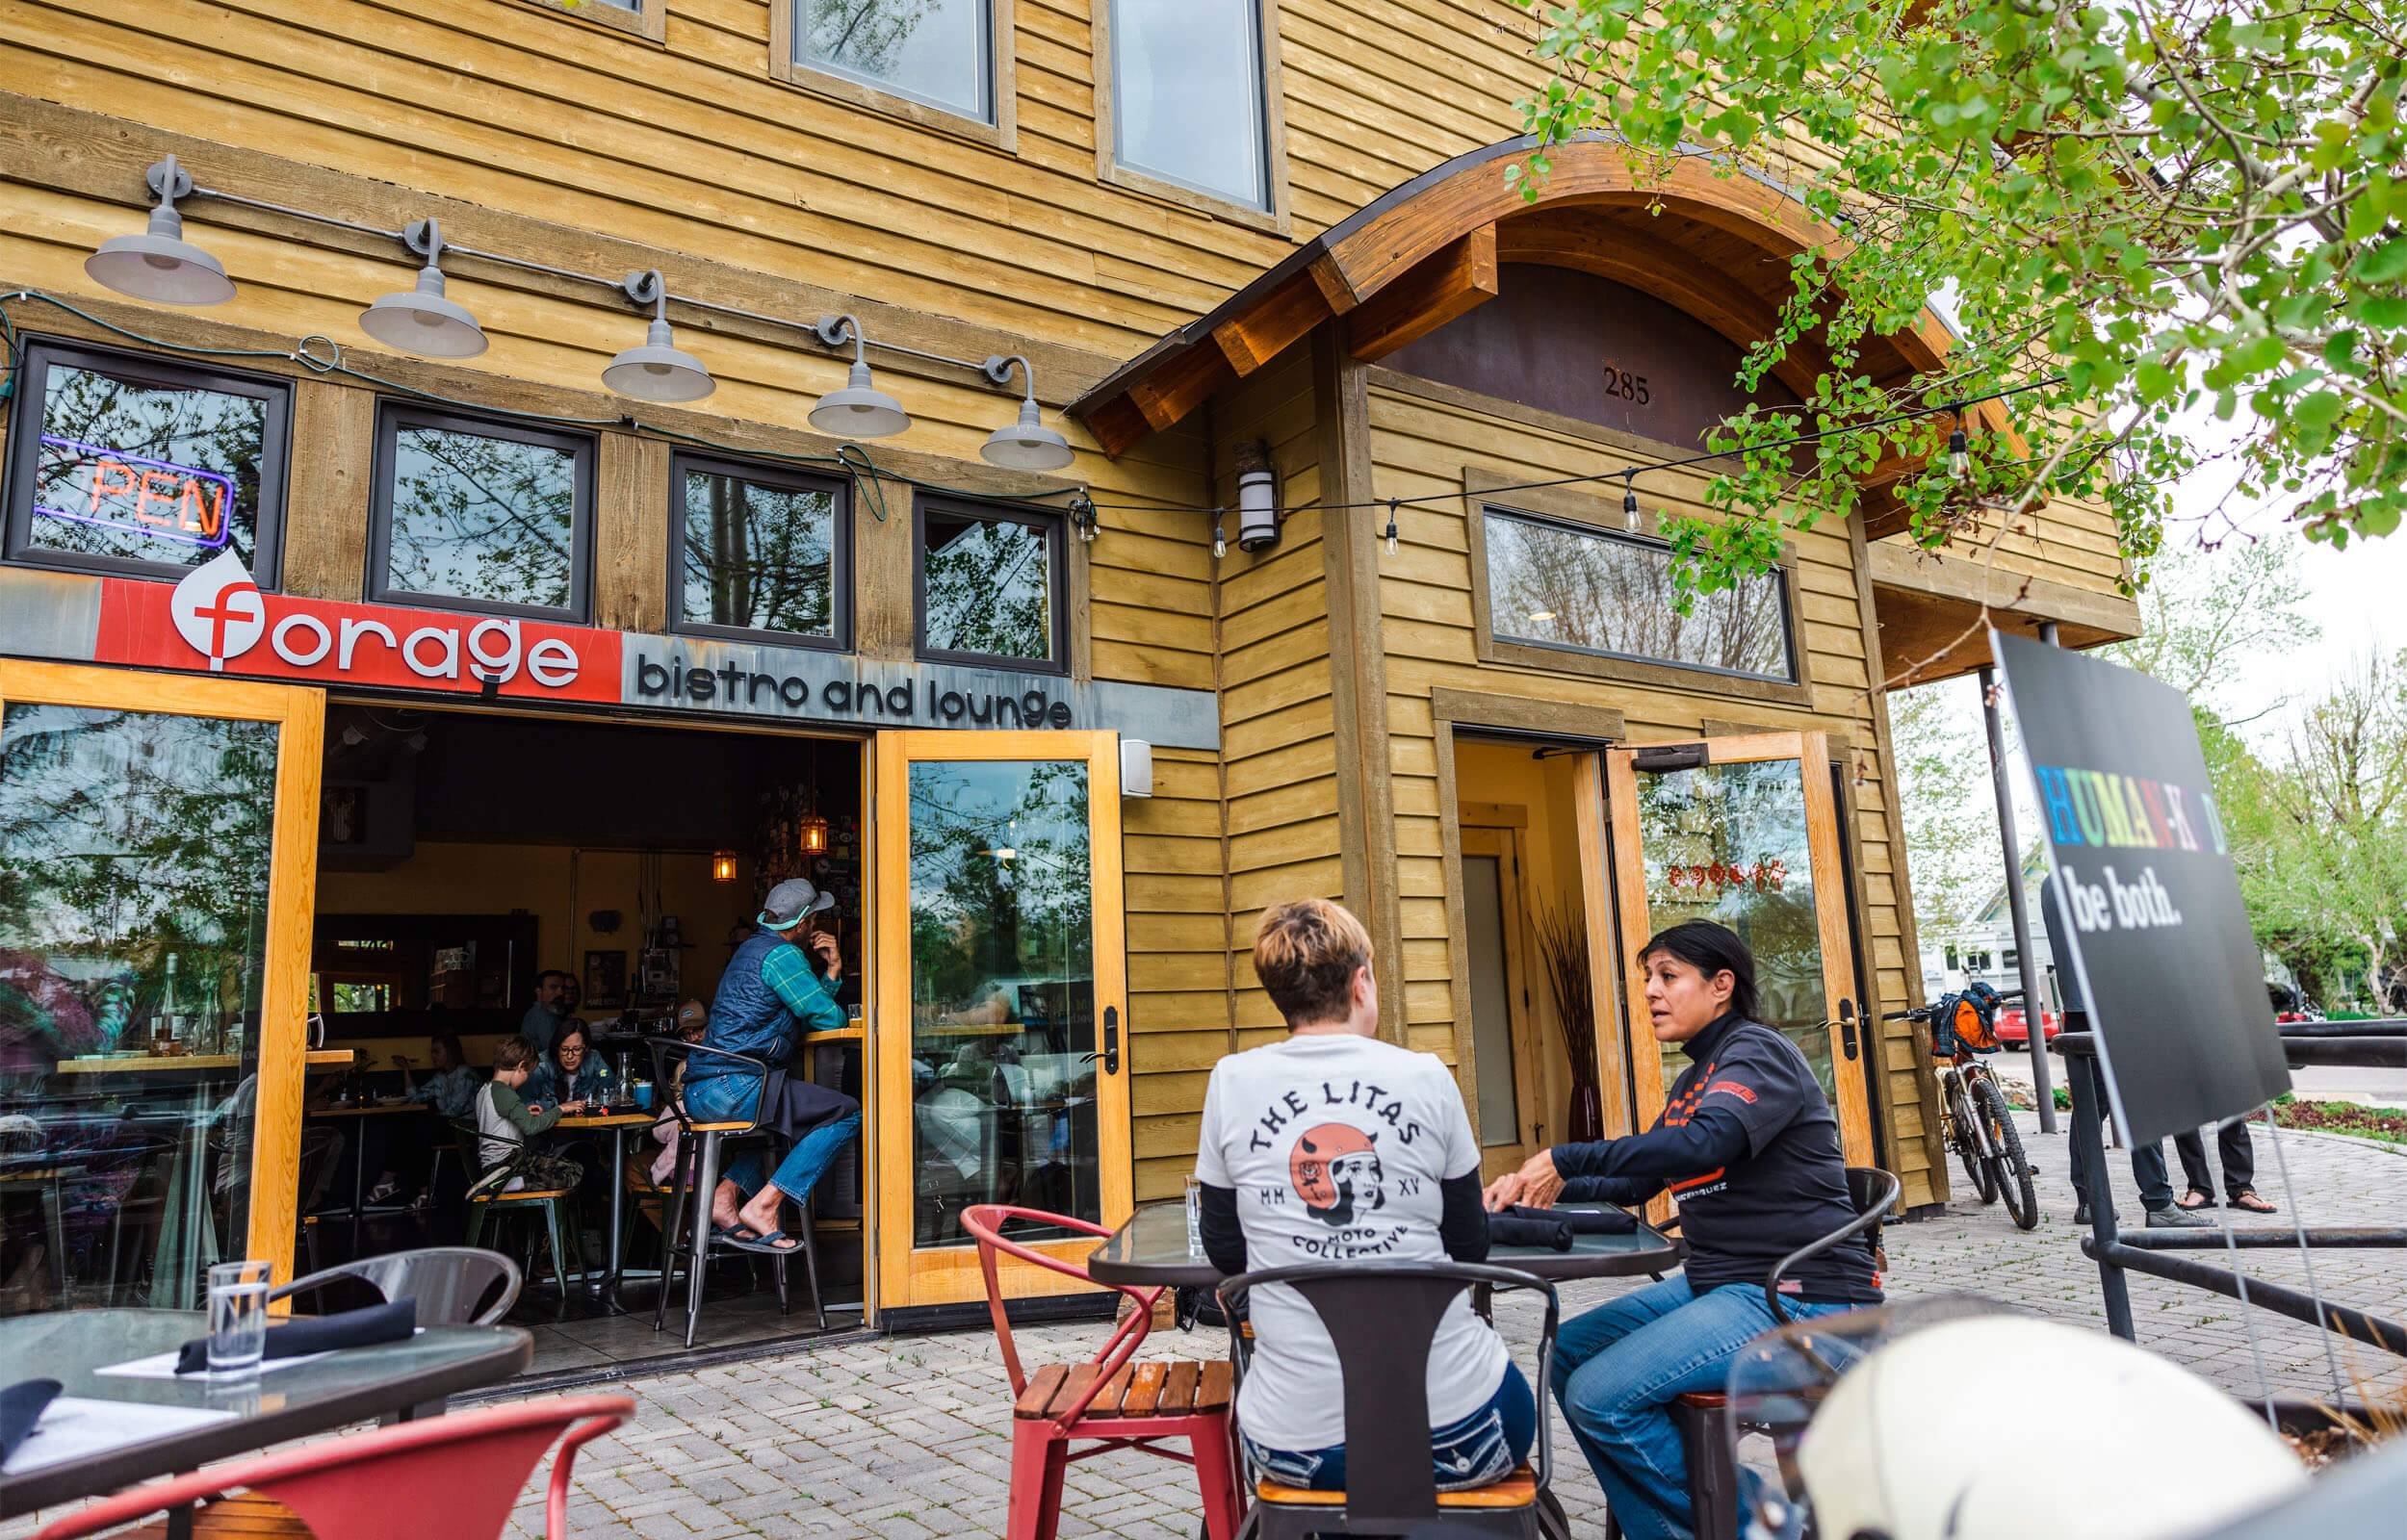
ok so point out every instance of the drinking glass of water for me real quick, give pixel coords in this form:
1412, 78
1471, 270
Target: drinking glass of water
238, 1318
1195, 1217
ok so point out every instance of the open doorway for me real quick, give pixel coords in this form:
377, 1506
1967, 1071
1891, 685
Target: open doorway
481, 876
1526, 927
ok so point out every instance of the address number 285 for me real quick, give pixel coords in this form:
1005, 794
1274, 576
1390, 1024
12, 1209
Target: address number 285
1627, 385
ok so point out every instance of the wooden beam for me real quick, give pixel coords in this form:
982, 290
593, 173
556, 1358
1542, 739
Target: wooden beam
1183, 382
1118, 426
1284, 317
1335, 287
1459, 278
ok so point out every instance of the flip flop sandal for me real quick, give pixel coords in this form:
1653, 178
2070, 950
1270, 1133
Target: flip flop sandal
766, 1244
2194, 1199
2250, 1201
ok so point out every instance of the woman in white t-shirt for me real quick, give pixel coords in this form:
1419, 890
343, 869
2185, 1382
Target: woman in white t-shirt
1333, 1146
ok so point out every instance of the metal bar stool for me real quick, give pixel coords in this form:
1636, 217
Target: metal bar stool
687, 1232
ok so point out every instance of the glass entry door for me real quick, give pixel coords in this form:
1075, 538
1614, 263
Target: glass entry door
1742, 831
1001, 1033
158, 842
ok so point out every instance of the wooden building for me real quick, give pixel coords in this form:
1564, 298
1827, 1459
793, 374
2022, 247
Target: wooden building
1210, 237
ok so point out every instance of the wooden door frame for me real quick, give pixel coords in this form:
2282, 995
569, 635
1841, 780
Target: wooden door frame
907, 1277
298, 711
1501, 841
1810, 749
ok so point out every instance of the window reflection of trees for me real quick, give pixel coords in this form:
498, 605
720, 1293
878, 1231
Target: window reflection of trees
205, 429
758, 556
127, 837
481, 518
1606, 594
1739, 815
865, 35
1002, 878
989, 587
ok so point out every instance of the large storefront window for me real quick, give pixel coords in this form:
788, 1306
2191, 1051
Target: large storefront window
1003, 991
760, 552
134, 865
140, 466
990, 586
1598, 592
480, 514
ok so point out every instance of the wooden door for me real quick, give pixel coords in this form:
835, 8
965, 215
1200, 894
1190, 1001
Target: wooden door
1000, 1049
1504, 1040
158, 869
1742, 831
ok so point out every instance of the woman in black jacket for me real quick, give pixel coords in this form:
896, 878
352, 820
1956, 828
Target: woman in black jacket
1749, 1150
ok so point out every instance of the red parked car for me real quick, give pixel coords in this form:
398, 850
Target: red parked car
2014, 1032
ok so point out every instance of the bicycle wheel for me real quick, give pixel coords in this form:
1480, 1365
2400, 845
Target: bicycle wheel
2012, 1171
1968, 1145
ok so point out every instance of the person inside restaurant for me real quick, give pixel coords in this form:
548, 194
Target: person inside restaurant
1288, 1165
1747, 1147
505, 1121
450, 1086
773, 994
543, 1018
571, 1075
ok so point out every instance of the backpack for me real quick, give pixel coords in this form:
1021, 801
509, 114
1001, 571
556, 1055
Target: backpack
1966, 1022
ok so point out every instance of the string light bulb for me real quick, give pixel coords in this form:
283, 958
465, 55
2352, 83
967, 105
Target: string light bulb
1393, 538
1220, 537
1959, 449
1629, 499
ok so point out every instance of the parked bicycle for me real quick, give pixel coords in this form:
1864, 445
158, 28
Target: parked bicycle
1972, 1105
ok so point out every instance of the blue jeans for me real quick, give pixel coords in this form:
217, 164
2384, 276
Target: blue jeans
1475, 1450
1617, 1370
733, 1096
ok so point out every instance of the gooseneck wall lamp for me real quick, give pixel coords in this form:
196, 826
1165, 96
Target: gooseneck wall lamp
657, 370
423, 319
859, 410
161, 265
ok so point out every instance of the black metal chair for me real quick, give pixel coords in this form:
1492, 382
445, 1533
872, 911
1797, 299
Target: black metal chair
1701, 1416
447, 1282
1383, 1317
688, 1233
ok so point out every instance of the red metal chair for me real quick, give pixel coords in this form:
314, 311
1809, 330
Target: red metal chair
1120, 1404
457, 1477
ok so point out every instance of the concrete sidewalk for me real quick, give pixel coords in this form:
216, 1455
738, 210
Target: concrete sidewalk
909, 1439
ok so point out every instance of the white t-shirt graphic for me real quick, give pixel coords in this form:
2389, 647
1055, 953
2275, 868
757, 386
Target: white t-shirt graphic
1335, 1146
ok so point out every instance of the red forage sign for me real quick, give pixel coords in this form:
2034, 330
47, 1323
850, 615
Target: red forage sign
216, 619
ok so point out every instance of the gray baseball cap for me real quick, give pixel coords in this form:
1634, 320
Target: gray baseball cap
793, 899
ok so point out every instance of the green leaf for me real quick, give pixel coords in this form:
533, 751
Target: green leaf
2385, 263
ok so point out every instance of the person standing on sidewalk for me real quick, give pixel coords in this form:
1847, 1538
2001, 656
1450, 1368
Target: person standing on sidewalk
2239, 1155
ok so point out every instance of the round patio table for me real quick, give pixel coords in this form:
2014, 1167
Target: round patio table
1150, 1250
352, 1385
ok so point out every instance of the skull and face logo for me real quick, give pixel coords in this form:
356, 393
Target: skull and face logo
1335, 1168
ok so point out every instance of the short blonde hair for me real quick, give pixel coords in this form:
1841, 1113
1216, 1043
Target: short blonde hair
1306, 954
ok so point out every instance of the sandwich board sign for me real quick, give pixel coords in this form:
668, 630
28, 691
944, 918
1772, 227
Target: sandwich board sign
2154, 933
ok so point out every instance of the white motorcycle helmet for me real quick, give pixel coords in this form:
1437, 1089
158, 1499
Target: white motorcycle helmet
1929, 1438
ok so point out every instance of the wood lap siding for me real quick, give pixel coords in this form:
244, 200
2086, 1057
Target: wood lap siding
1419, 447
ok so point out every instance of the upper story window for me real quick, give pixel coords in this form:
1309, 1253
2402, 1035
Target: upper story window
645, 18
125, 463
760, 552
991, 585
940, 54
1554, 583
478, 514
1190, 103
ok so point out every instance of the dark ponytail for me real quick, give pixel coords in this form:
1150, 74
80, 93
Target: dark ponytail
1712, 949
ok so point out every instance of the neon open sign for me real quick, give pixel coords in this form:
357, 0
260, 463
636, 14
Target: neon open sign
120, 491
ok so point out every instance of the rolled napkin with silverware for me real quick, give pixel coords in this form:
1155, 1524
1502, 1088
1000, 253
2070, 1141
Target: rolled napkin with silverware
21, 1406
320, 1334
1530, 1228
1590, 1221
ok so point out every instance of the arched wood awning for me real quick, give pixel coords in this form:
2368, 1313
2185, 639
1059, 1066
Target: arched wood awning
1715, 245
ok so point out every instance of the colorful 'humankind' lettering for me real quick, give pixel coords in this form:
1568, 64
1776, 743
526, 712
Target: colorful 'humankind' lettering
122, 491
2110, 810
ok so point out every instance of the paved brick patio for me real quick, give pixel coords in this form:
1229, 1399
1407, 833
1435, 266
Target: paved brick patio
909, 1439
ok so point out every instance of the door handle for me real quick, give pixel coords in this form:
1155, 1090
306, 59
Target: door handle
1111, 1040
1847, 1028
